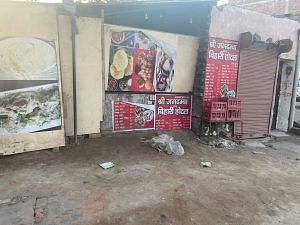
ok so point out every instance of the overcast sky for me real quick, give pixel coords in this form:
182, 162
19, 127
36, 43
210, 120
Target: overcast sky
222, 2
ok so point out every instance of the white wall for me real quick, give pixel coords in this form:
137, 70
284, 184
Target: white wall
186, 58
88, 73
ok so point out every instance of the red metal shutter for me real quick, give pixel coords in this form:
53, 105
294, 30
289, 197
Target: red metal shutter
256, 79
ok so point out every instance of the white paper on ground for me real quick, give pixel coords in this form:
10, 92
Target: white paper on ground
106, 165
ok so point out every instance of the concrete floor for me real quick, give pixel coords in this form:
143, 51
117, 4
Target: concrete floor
146, 187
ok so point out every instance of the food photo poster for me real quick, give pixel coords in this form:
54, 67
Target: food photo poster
29, 87
141, 63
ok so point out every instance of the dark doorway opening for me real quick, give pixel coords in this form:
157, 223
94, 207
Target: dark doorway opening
277, 96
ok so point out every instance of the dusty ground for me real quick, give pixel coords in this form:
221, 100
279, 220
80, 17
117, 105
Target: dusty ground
146, 187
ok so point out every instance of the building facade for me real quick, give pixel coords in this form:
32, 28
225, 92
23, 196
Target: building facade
229, 22
271, 7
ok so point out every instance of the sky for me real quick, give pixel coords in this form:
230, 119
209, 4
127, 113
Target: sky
222, 2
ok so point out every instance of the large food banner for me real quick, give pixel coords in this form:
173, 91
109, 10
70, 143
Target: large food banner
221, 69
167, 112
141, 63
29, 90
173, 112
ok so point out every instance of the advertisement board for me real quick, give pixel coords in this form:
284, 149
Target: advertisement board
132, 116
140, 63
221, 69
29, 86
169, 112
173, 112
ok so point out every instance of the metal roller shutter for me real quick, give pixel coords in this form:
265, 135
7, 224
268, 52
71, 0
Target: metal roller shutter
256, 80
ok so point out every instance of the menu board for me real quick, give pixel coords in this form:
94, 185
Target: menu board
132, 116
221, 69
172, 112
165, 112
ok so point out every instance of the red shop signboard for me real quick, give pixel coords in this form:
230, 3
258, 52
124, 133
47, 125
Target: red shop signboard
170, 112
173, 112
132, 116
221, 69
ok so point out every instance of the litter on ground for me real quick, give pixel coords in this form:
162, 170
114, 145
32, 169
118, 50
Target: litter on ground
223, 143
205, 164
106, 165
166, 143
256, 152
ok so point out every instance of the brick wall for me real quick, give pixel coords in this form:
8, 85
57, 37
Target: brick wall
271, 7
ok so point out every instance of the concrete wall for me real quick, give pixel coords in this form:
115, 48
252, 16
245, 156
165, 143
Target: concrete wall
186, 57
229, 21
89, 71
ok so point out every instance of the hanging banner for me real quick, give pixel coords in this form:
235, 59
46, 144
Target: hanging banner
221, 70
173, 112
129, 116
139, 62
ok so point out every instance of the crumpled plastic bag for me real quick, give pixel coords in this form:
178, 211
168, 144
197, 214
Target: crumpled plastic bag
166, 143
223, 143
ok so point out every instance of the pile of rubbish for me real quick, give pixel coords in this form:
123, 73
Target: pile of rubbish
223, 143
166, 143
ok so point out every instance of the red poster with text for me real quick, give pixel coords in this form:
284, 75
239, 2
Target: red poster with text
172, 112
132, 116
221, 70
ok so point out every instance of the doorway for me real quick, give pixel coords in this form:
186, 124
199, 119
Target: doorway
277, 96
283, 95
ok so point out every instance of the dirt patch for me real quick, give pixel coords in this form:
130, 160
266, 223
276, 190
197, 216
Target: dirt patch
148, 187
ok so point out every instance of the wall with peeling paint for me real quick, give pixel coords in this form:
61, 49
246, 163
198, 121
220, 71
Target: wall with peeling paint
229, 21
186, 55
